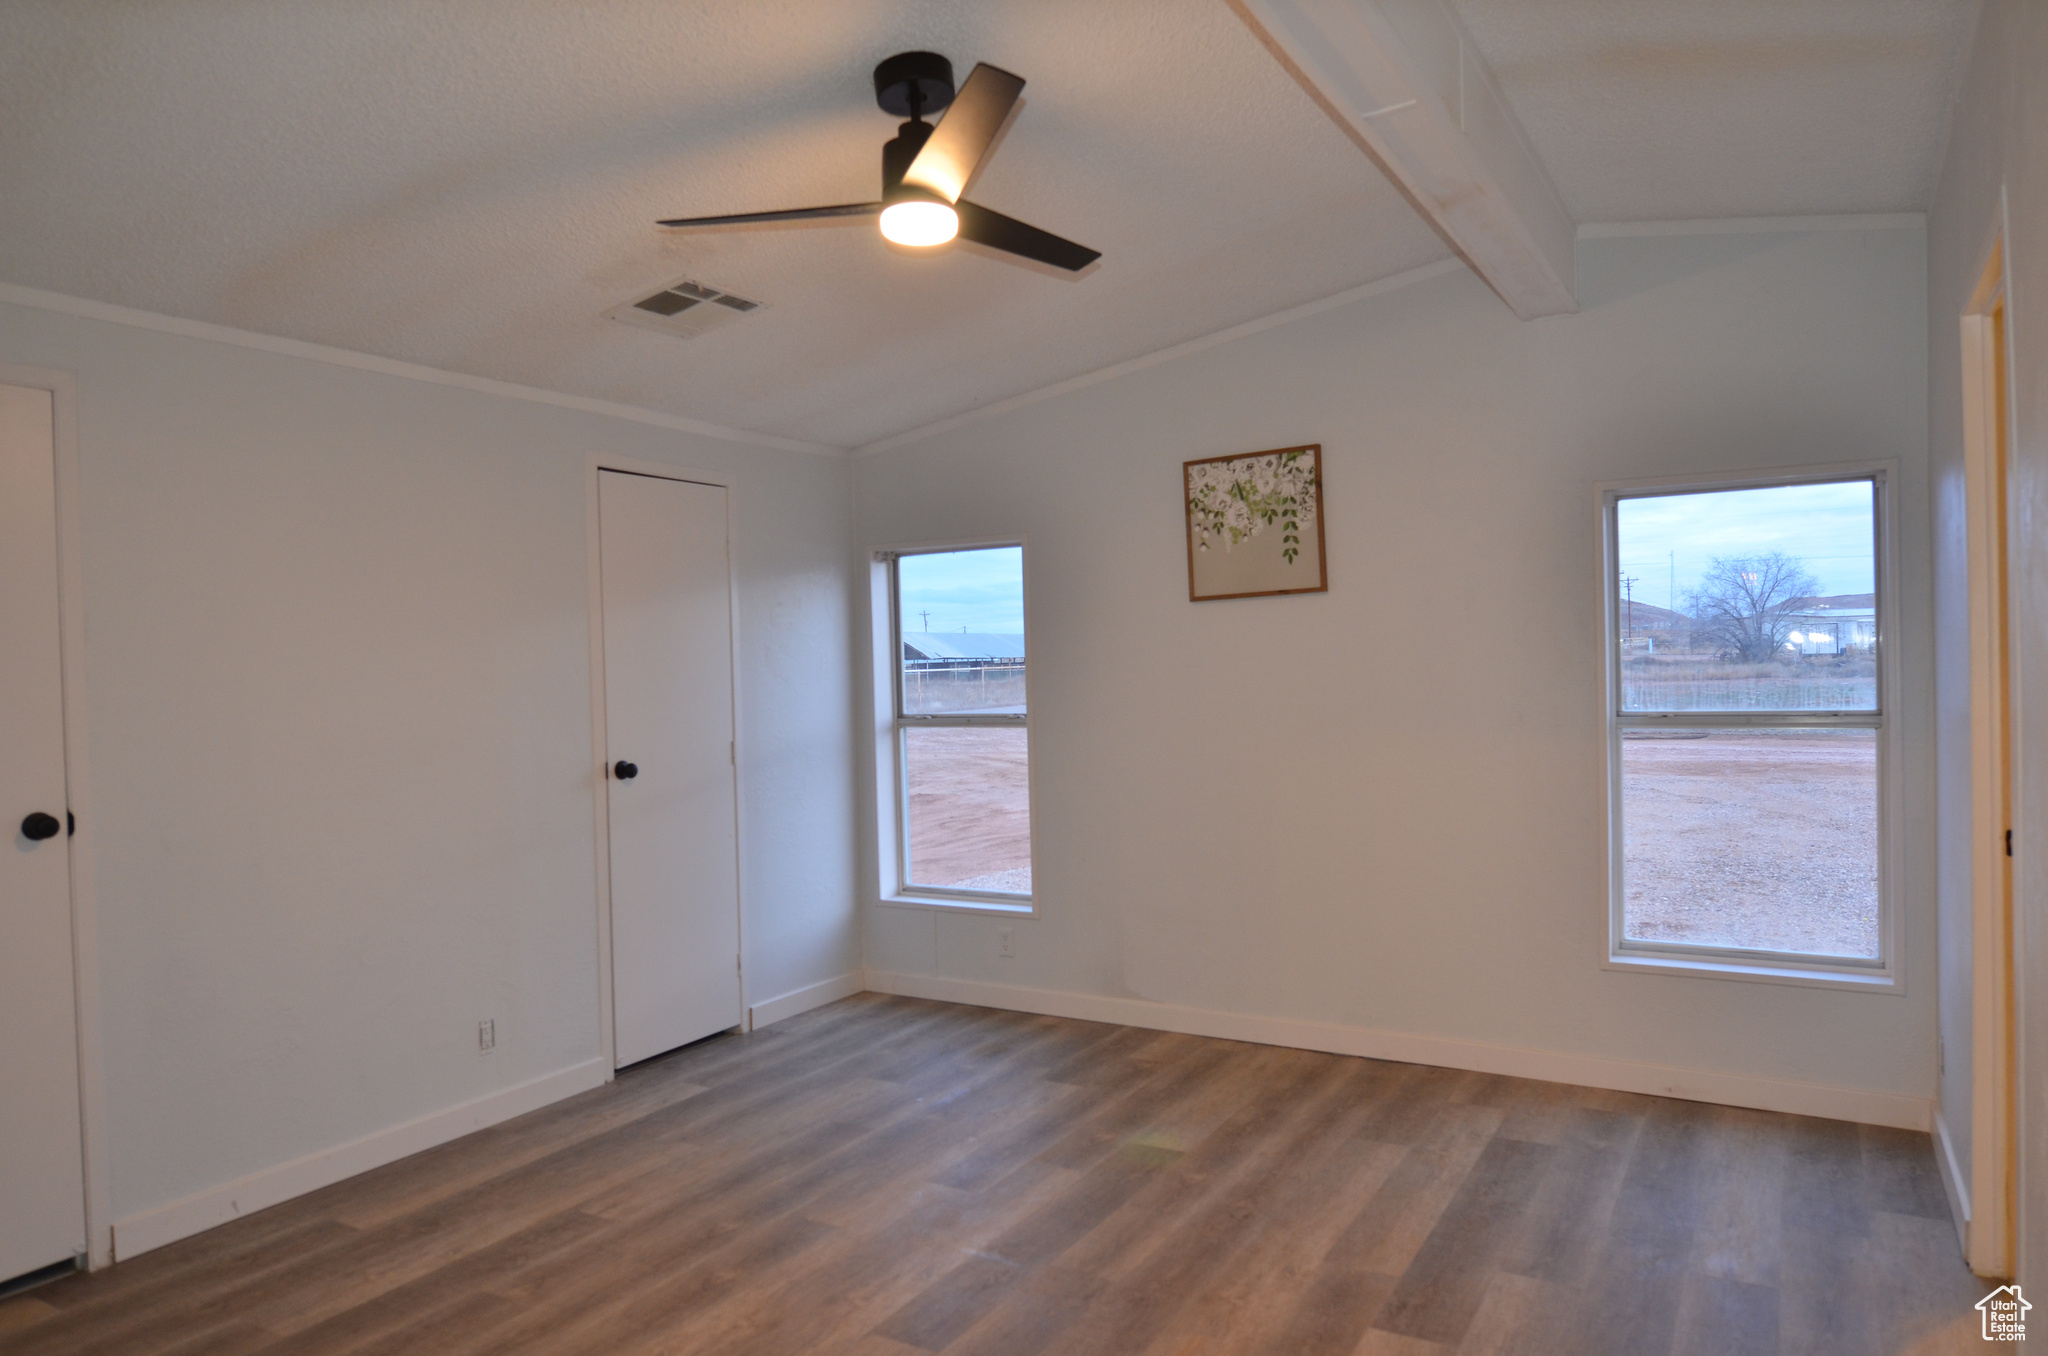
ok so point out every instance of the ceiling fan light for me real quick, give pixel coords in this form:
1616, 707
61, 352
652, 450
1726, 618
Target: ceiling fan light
919, 222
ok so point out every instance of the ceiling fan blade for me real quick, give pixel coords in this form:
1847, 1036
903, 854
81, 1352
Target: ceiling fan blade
847, 209
985, 227
964, 132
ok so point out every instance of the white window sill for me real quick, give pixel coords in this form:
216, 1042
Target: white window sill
1024, 905
1708, 967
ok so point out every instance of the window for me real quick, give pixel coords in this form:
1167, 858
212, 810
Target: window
1748, 727
961, 724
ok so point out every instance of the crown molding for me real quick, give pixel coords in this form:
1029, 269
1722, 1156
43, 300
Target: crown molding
1391, 283
1868, 221
37, 299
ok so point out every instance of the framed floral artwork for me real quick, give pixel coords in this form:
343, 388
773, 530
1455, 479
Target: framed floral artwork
1255, 524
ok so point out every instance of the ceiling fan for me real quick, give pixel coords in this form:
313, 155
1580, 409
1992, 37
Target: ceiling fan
927, 166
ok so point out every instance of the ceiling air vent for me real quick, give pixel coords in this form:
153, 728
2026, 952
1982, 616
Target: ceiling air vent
685, 309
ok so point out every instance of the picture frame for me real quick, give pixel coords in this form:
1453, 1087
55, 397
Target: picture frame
1255, 524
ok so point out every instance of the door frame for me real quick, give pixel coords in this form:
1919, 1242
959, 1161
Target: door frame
593, 463
1988, 423
85, 956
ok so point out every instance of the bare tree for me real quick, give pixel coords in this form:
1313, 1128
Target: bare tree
1745, 603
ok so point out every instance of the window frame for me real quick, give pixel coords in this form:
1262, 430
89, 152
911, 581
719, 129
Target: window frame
892, 724
1887, 973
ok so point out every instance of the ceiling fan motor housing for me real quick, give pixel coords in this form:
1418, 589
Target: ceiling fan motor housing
914, 84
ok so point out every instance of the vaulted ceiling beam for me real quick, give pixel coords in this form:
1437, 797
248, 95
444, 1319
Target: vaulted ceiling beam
1405, 82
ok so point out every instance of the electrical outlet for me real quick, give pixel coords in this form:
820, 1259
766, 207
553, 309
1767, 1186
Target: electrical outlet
486, 1035
1006, 945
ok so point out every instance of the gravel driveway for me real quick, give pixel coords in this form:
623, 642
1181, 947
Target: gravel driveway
1753, 839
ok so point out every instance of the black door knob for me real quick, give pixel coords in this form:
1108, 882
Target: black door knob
39, 826
625, 771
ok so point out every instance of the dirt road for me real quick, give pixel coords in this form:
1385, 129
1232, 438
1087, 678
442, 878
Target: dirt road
1753, 839
970, 809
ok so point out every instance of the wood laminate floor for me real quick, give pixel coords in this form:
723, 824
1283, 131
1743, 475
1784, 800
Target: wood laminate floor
888, 1177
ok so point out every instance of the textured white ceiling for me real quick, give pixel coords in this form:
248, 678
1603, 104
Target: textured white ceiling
1659, 110
467, 184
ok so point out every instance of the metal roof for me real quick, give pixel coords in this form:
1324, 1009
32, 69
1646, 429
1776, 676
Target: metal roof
961, 645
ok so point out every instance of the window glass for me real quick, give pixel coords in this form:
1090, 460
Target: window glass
963, 743
961, 615
1747, 724
1748, 600
1760, 839
968, 794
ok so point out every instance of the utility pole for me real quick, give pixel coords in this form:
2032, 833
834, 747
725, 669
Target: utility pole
927, 620
1628, 627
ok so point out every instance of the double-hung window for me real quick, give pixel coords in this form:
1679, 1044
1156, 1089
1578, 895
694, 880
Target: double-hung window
1749, 727
960, 720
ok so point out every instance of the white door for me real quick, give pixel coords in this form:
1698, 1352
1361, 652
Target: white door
669, 721
42, 1172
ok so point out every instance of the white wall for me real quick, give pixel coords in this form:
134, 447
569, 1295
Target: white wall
1996, 166
338, 672
1310, 807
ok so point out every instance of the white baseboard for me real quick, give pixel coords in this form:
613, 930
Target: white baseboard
168, 1223
1659, 1080
1953, 1179
804, 999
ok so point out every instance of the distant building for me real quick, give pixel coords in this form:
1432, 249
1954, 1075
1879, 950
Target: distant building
1834, 625
1832, 630
961, 646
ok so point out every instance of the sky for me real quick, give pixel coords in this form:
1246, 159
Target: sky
981, 591
1828, 527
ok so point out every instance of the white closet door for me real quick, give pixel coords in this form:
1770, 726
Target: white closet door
669, 713
42, 1174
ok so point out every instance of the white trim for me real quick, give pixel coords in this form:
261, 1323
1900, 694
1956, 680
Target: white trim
1023, 908
593, 463
927, 548
202, 1210
1994, 787
1391, 283
607, 1037
1871, 221
1711, 965
810, 996
58, 302
1889, 977
2025, 1196
887, 835
85, 980
1865, 1105
892, 810
1753, 477
1954, 1183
